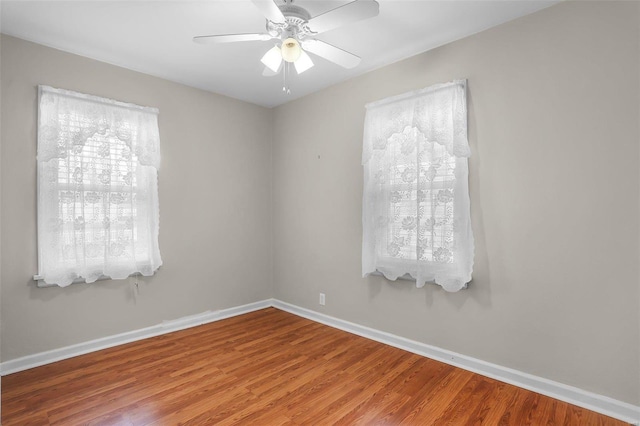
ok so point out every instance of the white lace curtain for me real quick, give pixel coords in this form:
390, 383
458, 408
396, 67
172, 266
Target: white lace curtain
97, 188
416, 214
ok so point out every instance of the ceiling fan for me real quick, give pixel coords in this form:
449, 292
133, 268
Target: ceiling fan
293, 29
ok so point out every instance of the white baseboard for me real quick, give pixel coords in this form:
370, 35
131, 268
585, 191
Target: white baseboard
598, 403
591, 401
42, 358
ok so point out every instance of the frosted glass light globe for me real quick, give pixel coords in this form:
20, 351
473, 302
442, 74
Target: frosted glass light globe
291, 50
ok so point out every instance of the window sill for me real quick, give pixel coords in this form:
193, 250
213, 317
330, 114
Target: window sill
41, 284
405, 277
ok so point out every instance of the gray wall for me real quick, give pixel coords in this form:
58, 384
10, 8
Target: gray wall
215, 204
0, 219
553, 121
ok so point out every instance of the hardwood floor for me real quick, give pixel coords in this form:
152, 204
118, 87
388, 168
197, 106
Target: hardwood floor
270, 368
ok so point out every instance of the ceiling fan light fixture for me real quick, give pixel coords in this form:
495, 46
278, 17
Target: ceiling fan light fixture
291, 50
303, 63
272, 59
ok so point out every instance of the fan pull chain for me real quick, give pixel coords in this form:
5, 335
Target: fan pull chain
285, 87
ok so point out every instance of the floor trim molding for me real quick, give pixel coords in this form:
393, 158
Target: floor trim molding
598, 403
42, 358
589, 400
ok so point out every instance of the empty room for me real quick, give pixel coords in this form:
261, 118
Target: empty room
304, 212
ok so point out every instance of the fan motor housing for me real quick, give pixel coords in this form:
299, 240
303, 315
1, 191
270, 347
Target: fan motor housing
296, 25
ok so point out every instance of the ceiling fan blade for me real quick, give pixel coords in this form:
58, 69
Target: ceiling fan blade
350, 12
331, 53
270, 10
230, 38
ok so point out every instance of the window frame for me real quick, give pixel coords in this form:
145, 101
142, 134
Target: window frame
401, 132
132, 189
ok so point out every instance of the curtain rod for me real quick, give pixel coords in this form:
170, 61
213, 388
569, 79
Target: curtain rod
414, 93
96, 99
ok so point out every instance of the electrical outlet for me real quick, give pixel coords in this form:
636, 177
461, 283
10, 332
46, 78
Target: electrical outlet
322, 299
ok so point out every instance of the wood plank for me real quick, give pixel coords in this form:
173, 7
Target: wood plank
269, 368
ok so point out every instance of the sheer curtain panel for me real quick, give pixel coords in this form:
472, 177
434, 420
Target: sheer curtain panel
416, 214
98, 163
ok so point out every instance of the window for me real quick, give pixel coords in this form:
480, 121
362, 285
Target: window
97, 188
416, 214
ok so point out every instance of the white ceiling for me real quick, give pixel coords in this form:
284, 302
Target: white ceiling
155, 37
